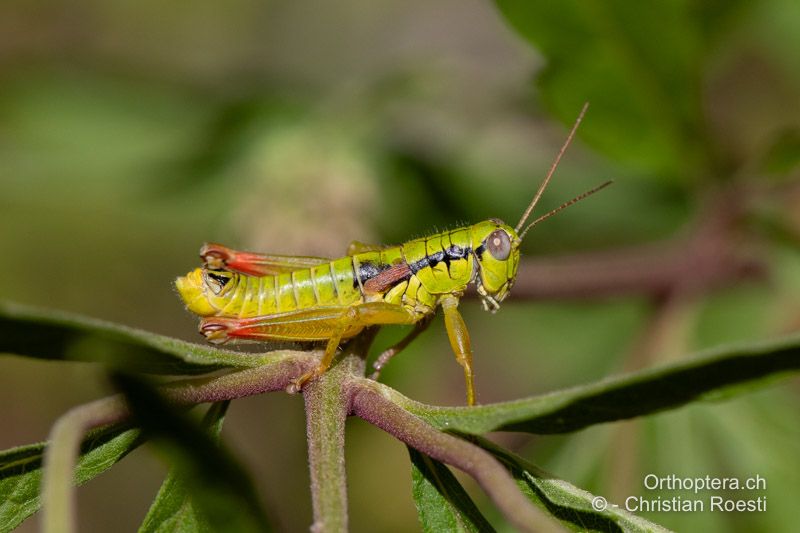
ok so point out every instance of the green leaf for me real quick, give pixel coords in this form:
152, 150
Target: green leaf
442, 503
639, 64
724, 372
573, 506
21, 470
173, 508
219, 487
225, 140
55, 335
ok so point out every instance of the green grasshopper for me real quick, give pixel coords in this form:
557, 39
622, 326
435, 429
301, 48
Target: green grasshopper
250, 296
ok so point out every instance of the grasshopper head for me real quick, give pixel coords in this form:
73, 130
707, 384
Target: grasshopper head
496, 245
203, 290
496, 249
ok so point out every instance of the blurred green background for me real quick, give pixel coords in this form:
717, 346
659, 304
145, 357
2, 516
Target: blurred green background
132, 132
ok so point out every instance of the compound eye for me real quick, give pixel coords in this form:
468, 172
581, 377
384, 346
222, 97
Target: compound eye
499, 245
217, 280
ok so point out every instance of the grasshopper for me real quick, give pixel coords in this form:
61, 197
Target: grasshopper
261, 297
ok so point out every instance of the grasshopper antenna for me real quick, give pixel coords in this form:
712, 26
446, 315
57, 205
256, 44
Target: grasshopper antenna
546, 181
565, 205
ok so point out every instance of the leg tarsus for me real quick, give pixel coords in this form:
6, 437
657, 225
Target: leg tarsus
324, 363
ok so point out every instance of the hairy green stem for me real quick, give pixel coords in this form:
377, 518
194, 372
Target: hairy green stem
60, 459
326, 412
369, 404
272, 376
327, 407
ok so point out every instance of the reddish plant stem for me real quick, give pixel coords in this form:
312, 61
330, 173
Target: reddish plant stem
713, 253
271, 377
375, 408
648, 270
327, 402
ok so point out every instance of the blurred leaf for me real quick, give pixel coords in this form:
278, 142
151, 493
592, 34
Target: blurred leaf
226, 139
49, 334
436, 178
173, 508
219, 487
21, 470
639, 64
725, 371
568, 503
442, 503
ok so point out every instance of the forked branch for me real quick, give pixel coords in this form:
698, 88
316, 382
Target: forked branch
493, 478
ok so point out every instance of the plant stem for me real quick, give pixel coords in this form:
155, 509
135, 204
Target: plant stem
372, 406
270, 377
327, 407
710, 256
58, 496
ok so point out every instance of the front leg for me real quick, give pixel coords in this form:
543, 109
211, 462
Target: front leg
459, 341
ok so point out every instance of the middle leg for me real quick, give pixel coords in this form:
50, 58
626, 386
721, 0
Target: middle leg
395, 349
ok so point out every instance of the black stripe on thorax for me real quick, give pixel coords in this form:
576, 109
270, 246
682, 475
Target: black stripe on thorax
451, 253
